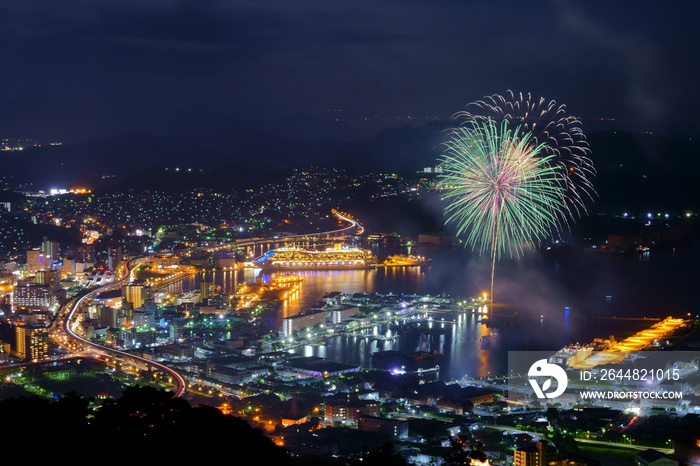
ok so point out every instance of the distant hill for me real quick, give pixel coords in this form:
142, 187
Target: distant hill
221, 179
636, 170
616, 152
244, 145
645, 172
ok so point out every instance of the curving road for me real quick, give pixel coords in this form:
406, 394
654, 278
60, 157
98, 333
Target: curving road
353, 224
72, 307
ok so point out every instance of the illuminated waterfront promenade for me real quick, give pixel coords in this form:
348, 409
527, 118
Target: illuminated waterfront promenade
636, 342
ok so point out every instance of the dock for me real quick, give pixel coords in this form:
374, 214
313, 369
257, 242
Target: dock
638, 341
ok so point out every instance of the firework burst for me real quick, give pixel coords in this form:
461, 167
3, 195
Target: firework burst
549, 125
503, 190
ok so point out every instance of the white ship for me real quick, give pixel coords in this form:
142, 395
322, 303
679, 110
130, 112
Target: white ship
337, 257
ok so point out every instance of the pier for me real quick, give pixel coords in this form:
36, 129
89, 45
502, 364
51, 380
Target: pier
636, 342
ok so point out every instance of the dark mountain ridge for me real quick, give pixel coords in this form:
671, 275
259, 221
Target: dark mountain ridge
632, 168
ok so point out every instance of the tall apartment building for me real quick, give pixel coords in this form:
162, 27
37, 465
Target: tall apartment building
137, 294
31, 342
114, 257
51, 249
37, 260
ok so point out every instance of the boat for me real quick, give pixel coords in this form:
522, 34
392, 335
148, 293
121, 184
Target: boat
337, 257
402, 259
571, 355
490, 341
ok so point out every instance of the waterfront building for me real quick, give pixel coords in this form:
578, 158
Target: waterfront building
332, 298
187, 298
166, 262
293, 324
314, 366
206, 289
343, 313
224, 259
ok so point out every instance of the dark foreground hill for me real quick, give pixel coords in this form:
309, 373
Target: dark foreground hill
150, 424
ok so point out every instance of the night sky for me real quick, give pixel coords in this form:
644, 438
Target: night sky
69, 63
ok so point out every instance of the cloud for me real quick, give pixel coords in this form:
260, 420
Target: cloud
634, 60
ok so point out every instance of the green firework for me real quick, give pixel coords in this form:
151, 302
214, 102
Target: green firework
502, 190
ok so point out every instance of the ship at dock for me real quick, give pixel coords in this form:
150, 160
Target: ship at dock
571, 355
339, 256
405, 260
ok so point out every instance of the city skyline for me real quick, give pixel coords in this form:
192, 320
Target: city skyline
268, 210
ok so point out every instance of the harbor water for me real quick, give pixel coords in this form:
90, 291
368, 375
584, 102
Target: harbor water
541, 302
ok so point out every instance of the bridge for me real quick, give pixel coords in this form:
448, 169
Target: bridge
66, 323
257, 246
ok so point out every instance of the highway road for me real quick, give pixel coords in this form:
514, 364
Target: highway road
67, 320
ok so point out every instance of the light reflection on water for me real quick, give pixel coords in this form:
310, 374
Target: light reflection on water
534, 316
459, 342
